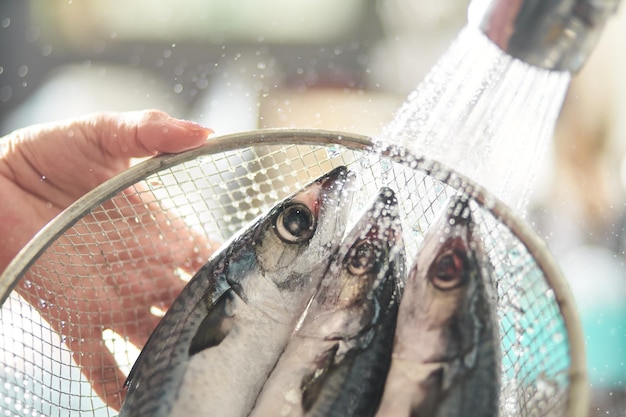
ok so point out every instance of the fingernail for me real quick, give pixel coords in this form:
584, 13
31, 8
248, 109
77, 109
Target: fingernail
196, 128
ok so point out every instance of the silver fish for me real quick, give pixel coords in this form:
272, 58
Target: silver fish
446, 353
336, 363
216, 345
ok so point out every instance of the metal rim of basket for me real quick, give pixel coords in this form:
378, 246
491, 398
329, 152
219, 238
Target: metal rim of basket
578, 398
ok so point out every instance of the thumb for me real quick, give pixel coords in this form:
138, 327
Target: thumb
144, 133
76, 155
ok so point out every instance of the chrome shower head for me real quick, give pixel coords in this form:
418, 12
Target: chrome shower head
553, 34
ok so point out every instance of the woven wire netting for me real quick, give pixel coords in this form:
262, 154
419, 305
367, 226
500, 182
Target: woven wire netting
53, 322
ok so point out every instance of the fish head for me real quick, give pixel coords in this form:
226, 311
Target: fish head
301, 234
370, 250
447, 325
369, 262
447, 291
443, 270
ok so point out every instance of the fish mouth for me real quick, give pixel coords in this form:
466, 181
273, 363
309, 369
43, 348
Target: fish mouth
459, 212
327, 190
456, 231
336, 196
335, 177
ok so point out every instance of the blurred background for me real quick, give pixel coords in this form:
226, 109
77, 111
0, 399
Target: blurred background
347, 65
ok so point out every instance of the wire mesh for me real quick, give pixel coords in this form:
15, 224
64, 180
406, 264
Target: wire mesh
74, 295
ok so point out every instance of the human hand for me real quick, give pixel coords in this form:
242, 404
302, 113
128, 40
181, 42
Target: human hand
119, 268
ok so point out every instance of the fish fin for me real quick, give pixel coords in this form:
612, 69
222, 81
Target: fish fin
432, 385
167, 332
312, 383
215, 326
238, 289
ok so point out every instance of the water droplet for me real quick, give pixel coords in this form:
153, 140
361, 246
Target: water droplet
333, 151
27, 284
202, 83
43, 178
416, 230
155, 183
385, 165
6, 92
43, 303
178, 88
6, 22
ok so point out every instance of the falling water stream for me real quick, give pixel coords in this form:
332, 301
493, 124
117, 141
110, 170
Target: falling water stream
483, 113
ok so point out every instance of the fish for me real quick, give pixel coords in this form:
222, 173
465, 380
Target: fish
216, 345
446, 356
336, 362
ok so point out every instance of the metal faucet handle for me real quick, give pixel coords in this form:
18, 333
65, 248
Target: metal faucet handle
553, 34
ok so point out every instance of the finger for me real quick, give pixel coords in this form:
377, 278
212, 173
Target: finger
145, 133
59, 162
100, 368
136, 215
149, 232
139, 332
133, 323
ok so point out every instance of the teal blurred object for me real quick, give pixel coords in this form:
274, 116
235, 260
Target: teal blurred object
605, 336
597, 278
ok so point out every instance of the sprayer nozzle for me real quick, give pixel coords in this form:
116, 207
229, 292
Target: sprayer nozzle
553, 34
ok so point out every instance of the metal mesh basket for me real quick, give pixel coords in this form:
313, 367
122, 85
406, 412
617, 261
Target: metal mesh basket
110, 233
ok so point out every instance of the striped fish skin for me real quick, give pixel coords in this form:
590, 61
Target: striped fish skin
446, 355
337, 361
214, 348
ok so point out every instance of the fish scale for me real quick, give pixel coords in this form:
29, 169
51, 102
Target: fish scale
335, 364
228, 326
240, 362
161, 367
445, 361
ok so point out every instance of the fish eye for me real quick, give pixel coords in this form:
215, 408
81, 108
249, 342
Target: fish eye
364, 257
449, 271
295, 223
